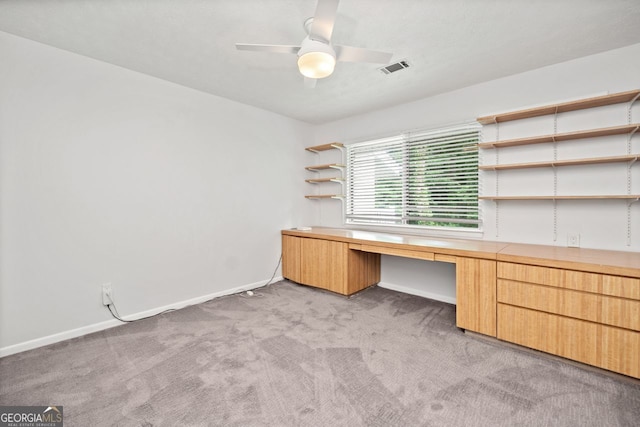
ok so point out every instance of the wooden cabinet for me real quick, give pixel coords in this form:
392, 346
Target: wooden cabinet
582, 304
476, 295
589, 317
324, 264
291, 258
328, 265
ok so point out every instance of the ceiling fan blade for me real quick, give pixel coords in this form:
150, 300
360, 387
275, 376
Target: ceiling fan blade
323, 20
273, 48
310, 83
358, 54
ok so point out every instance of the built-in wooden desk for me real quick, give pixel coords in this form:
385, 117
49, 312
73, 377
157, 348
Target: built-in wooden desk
582, 304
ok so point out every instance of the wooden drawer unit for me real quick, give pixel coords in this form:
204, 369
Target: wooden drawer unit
599, 345
624, 313
589, 317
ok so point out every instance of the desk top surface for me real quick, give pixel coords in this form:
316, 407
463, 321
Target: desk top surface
593, 260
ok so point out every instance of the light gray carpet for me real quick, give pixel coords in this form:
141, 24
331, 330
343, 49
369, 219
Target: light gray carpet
296, 356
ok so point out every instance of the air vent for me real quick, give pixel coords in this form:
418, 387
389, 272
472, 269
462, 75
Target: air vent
392, 68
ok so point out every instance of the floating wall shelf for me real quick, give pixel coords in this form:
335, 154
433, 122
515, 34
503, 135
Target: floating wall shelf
608, 196
325, 167
567, 136
331, 166
599, 101
324, 196
325, 147
556, 163
321, 180
629, 129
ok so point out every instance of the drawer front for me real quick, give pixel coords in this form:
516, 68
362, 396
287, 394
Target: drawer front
623, 313
570, 279
599, 345
625, 287
406, 253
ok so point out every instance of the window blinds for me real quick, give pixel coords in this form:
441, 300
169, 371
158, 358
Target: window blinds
424, 178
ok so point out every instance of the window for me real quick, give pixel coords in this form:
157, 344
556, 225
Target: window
425, 178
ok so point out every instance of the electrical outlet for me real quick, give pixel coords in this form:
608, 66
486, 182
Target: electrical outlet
107, 294
573, 240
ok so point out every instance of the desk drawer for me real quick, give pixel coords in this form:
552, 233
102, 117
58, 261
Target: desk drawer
407, 253
570, 279
623, 313
599, 345
625, 287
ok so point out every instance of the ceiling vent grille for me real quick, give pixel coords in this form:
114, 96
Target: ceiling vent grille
392, 68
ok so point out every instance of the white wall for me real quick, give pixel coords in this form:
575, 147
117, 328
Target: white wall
601, 224
170, 194
108, 175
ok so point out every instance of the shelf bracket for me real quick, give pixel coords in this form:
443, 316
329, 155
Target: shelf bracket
497, 215
338, 146
555, 220
555, 175
629, 203
635, 98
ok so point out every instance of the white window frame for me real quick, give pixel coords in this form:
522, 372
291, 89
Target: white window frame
408, 206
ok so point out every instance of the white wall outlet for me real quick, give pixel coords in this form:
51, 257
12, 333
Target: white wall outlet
573, 240
107, 294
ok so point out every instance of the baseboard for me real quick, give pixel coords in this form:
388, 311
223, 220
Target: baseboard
417, 292
96, 327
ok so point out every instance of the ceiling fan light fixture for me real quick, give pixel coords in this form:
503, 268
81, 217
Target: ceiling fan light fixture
316, 65
316, 56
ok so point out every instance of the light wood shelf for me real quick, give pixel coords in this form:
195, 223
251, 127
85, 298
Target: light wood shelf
325, 167
555, 163
325, 147
587, 197
330, 166
567, 136
321, 180
323, 196
598, 101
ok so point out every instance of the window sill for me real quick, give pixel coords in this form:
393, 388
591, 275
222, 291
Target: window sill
419, 231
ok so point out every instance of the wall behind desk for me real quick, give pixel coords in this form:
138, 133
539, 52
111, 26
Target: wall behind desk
601, 224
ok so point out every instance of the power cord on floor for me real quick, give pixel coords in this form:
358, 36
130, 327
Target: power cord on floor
243, 294
252, 294
117, 316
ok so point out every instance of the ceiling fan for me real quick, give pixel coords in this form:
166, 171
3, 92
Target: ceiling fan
316, 55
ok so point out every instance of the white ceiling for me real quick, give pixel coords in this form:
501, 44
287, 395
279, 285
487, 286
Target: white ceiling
449, 43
